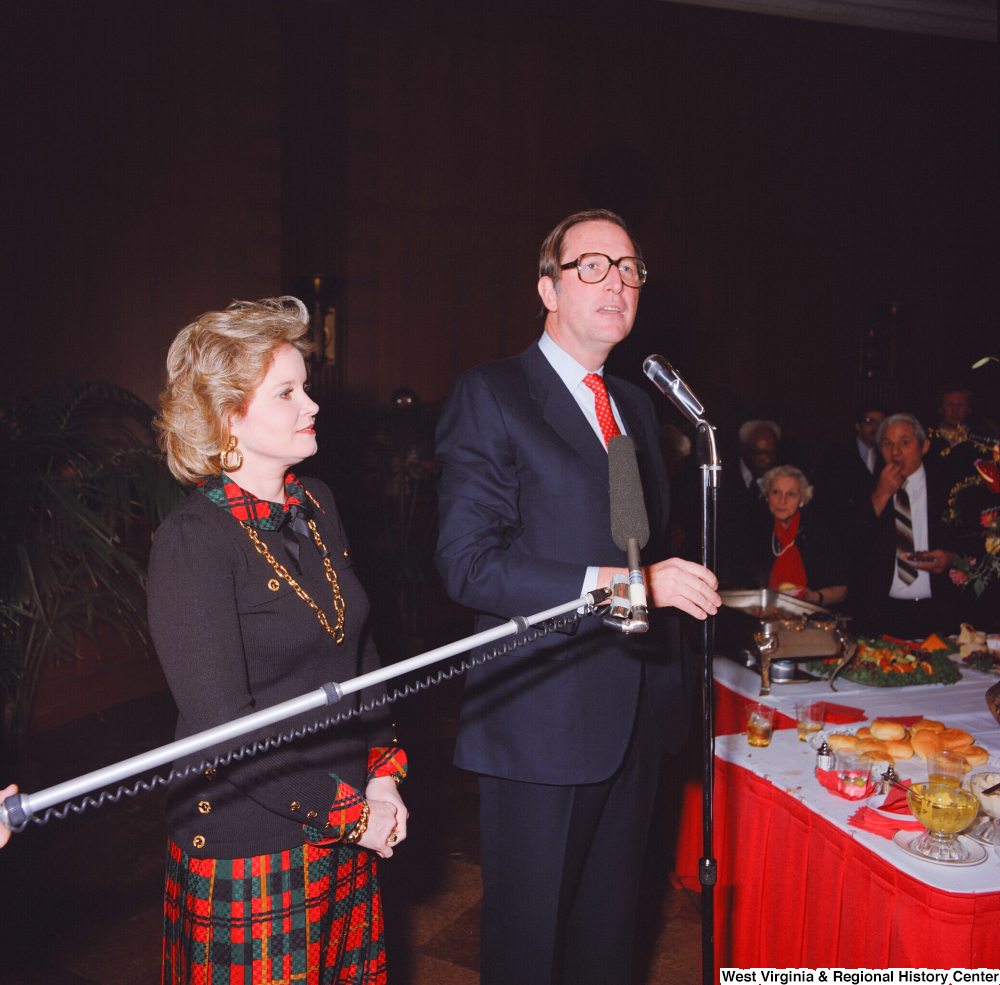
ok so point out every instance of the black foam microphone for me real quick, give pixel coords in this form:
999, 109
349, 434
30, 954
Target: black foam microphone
629, 523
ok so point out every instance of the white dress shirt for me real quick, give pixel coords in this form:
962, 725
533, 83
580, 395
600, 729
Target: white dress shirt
748, 476
916, 488
572, 374
867, 455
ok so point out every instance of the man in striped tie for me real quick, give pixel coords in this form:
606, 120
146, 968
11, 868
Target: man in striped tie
904, 591
566, 734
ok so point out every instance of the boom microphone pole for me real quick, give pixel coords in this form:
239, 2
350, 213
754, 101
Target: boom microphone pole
670, 383
19, 808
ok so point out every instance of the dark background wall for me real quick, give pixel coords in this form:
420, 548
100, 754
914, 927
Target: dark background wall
787, 180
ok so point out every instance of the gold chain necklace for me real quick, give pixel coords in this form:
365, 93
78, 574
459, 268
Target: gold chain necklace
337, 632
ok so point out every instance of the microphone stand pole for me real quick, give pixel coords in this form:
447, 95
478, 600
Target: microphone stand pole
19, 808
708, 462
671, 385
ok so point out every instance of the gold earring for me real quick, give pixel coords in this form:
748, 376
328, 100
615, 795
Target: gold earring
231, 449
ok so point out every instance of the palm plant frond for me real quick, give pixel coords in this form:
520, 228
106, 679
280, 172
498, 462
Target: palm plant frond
78, 470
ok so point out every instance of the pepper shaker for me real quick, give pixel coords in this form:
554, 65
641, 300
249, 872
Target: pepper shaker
824, 758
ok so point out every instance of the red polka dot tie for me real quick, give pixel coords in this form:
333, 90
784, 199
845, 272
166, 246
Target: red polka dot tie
609, 426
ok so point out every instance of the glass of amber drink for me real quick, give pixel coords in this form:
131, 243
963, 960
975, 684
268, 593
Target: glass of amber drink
760, 724
808, 718
943, 810
945, 767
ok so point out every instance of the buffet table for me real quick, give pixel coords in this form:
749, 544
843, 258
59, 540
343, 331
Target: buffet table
798, 887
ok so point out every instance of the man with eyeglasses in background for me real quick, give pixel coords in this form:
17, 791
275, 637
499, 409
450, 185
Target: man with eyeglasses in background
566, 733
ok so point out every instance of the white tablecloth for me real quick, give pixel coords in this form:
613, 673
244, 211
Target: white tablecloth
789, 764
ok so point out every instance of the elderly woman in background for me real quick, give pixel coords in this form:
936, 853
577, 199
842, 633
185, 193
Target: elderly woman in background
795, 554
271, 870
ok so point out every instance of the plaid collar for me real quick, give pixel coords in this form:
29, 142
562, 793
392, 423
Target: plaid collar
247, 507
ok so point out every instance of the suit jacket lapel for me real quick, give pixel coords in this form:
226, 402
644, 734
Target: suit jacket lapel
633, 426
562, 412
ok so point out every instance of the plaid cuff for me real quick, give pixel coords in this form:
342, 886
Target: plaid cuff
387, 761
344, 815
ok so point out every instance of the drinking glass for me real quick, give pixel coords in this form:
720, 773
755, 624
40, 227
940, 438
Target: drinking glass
945, 767
809, 718
853, 774
760, 723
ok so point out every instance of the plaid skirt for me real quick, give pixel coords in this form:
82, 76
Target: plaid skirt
310, 915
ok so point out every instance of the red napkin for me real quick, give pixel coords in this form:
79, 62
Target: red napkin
834, 714
895, 802
906, 720
869, 820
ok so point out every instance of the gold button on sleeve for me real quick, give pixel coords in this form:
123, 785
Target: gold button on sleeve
204, 806
210, 773
198, 841
312, 814
295, 805
274, 584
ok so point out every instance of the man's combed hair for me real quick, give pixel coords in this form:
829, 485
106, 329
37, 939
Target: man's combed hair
550, 256
213, 367
749, 428
918, 429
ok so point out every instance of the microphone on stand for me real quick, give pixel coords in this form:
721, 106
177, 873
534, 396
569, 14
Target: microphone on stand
629, 529
668, 381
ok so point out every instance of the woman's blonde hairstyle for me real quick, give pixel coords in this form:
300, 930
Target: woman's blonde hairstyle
213, 367
805, 490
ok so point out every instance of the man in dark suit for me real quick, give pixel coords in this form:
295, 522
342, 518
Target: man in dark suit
903, 517
567, 733
844, 478
743, 514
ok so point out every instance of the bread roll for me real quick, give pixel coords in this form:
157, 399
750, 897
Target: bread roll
952, 738
887, 730
840, 741
899, 748
863, 733
873, 745
879, 761
975, 755
928, 724
924, 742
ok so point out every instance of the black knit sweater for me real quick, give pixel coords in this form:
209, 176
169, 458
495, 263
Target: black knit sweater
233, 638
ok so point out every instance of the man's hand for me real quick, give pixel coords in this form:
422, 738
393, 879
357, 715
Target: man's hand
4, 830
888, 485
387, 818
943, 560
684, 585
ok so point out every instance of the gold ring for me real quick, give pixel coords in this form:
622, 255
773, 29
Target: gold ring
392, 839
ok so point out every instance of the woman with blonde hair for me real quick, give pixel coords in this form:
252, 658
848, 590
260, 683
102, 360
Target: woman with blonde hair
271, 866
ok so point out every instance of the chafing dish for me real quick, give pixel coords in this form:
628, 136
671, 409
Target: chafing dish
797, 631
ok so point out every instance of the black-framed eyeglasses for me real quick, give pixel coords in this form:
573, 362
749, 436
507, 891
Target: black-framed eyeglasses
592, 268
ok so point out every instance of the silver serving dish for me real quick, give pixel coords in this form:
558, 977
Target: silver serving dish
799, 631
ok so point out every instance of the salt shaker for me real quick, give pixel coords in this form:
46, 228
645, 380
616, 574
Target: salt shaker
824, 758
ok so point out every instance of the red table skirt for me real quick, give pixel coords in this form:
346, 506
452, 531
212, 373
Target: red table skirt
794, 891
